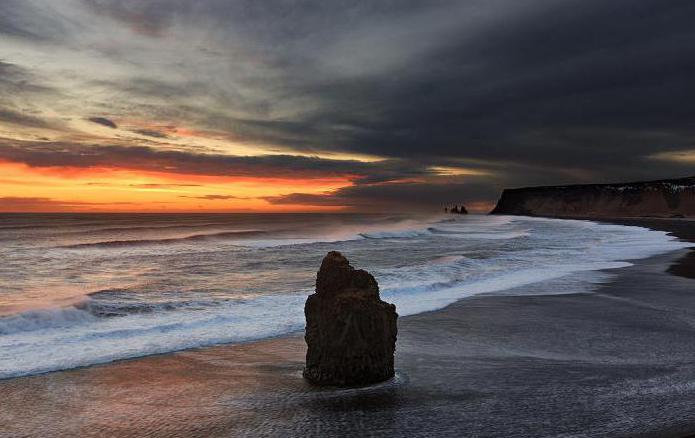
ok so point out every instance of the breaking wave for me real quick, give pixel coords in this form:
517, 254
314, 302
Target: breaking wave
166, 241
182, 299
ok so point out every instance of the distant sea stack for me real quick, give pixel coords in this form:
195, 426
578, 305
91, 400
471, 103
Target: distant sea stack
662, 198
456, 209
350, 332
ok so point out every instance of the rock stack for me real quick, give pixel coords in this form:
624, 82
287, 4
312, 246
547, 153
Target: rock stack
456, 210
350, 332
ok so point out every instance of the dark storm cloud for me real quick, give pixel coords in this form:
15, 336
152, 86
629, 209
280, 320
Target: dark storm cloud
588, 85
585, 83
571, 84
103, 121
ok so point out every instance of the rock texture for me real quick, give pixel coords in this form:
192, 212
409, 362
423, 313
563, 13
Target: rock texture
350, 332
663, 198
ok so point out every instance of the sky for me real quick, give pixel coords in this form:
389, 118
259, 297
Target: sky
336, 105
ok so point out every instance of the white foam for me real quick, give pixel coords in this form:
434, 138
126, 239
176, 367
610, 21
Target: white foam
107, 339
401, 229
395, 234
44, 319
41, 341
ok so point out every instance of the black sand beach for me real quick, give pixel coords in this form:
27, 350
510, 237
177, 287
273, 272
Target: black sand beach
616, 362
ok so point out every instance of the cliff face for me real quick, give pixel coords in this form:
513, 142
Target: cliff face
663, 198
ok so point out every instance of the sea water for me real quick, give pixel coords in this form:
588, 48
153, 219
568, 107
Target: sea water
82, 289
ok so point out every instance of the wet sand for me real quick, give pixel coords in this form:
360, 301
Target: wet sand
618, 361
683, 228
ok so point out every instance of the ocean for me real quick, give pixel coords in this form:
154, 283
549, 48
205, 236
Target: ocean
83, 289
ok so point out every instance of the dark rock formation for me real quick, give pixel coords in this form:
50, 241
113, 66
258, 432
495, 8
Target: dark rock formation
350, 332
663, 198
456, 210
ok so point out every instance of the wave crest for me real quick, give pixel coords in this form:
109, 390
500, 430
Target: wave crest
165, 241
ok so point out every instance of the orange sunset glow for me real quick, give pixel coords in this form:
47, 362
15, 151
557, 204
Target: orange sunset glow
59, 189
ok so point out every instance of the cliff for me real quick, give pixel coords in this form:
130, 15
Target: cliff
662, 198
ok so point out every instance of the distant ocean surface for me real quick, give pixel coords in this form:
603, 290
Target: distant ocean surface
82, 289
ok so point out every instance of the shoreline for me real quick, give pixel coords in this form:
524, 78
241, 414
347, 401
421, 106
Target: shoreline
485, 365
684, 229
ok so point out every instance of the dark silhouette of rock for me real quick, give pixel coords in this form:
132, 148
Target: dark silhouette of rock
350, 332
456, 210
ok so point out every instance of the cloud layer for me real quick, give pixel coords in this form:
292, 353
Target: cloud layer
525, 92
